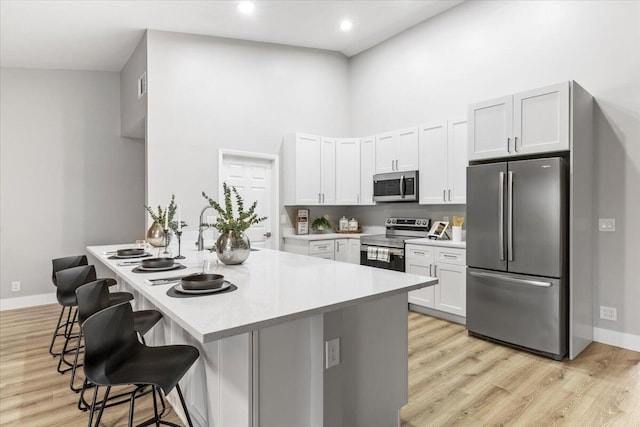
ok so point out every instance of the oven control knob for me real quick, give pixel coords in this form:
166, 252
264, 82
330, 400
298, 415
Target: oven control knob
421, 222
388, 221
393, 221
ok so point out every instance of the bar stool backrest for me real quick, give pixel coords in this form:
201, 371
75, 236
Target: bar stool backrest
71, 279
109, 338
92, 297
60, 264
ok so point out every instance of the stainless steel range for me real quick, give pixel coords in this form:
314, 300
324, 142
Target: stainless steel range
387, 250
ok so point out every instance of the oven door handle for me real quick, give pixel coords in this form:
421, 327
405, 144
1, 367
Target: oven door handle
392, 251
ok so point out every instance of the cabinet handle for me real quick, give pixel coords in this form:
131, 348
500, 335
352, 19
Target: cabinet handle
358, 198
444, 195
418, 252
515, 144
449, 195
337, 246
435, 269
322, 198
508, 145
429, 269
449, 256
392, 168
319, 198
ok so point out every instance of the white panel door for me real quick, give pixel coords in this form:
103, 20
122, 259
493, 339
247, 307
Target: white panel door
457, 156
433, 163
385, 152
328, 171
307, 170
367, 169
407, 149
541, 119
451, 292
252, 179
347, 171
419, 260
491, 128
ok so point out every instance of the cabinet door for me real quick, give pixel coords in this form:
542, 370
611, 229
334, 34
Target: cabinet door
407, 149
433, 163
307, 169
419, 260
324, 256
354, 251
367, 169
347, 171
328, 171
491, 128
457, 160
451, 292
342, 250
541, 119
385, 153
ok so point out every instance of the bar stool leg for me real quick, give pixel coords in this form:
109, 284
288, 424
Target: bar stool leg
56, 334
104, 399
184, 406
155, 407
131, 407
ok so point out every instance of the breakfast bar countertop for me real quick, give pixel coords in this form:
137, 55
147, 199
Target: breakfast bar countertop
273, 287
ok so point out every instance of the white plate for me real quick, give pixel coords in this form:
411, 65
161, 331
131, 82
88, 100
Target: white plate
226, 285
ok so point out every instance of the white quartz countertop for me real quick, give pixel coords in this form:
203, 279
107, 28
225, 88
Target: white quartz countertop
442, 243
273, 287
324, 236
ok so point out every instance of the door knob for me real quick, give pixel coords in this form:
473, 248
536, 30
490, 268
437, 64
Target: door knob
267, 234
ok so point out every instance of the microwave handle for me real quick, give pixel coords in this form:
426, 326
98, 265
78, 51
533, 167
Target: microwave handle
402, 186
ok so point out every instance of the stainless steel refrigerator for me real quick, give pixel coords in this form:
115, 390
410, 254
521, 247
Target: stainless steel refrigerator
517, 219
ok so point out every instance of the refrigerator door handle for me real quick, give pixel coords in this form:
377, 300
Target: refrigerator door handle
510, 218
511, 279
501, 218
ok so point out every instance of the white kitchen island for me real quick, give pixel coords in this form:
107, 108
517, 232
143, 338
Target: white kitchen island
262, 346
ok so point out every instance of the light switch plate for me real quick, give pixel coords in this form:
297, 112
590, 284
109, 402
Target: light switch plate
332, 353
607, 224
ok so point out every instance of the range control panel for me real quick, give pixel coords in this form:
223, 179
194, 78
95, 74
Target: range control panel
408, 222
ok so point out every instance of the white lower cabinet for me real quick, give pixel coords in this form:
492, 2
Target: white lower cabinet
449, 266
344, 249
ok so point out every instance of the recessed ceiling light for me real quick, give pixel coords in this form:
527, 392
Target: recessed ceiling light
346, 25
246, 7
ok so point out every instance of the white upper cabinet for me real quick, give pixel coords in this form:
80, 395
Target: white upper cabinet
541, 120
443, 162
397, 150
490, 128
328, 171
309, 170
347, 171
367, 169
536, 121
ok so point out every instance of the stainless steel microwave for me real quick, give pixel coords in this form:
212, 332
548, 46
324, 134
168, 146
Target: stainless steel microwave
395, 187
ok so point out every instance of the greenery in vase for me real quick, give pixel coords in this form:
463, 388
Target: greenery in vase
226, 220
159, 215
320, 224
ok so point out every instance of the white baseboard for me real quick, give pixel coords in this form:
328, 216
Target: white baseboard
28, 301
618, 339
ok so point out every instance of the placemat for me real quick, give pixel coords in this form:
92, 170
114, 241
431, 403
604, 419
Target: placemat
144, 255
175, 294
137, 270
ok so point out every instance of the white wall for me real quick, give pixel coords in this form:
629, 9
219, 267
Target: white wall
481, 50
67, 178
207, 93
133, 109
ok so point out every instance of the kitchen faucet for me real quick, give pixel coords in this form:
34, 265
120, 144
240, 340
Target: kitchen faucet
200, 241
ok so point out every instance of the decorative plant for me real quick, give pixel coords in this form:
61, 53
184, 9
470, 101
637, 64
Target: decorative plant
321, 223
159, 215
226, 221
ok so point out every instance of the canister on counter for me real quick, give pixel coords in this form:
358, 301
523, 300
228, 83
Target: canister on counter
344, 224
353, 224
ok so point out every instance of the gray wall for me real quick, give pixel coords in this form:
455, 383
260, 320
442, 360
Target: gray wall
207, 93
133, 110
482, 50
67, 178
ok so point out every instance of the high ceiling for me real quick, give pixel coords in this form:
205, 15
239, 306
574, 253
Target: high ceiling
100, 35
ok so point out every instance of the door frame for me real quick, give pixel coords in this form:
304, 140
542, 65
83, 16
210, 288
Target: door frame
275, 183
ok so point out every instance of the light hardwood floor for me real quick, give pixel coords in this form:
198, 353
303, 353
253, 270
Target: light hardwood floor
453, 380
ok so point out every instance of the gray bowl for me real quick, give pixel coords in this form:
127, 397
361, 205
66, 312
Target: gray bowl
202, 281
157, 262
129, 252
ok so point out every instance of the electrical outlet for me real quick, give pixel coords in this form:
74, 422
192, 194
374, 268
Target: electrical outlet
332, 350
283, 219
607, 224
608, 313
15, 286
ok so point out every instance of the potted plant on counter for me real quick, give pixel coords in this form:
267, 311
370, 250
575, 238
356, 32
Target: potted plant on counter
233, 246
321, 224
163, 219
